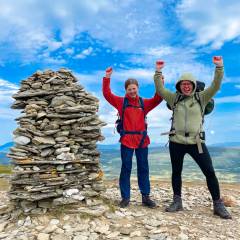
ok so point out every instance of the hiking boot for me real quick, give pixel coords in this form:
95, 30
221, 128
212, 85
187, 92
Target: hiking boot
176, 205
220, 210
124, 203
146, 201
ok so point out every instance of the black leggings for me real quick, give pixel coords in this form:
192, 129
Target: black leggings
204, 161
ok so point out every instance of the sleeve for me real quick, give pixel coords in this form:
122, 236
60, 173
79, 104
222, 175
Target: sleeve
162, 91
209, 92
114, 100
151, 103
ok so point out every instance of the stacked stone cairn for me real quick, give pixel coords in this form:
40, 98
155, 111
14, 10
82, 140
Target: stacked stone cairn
55, 157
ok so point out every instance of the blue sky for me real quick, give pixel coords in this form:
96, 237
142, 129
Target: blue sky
130, 35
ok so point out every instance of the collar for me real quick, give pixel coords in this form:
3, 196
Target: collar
131, 100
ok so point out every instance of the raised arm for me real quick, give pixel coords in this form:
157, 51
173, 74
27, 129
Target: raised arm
114, 100
160, 89
150, 103
209, 92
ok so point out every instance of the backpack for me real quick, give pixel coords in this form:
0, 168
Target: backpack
119, 121
200, 87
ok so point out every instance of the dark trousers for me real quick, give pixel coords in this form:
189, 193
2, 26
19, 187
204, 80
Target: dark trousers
142, 170
204, 161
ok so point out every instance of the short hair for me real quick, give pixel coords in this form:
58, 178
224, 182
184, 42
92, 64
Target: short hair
130, 81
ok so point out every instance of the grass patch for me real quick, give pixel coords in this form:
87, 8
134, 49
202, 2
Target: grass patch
5, 169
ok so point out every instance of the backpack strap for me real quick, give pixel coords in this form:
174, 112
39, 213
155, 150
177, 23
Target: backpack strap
201, 134
176, 100
124, 106
141, 103
197, 97
145, 131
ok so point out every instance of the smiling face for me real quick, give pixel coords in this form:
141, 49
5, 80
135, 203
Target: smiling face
186, 87
132, 90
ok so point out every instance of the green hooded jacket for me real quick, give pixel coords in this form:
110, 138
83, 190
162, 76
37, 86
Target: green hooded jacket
187, 114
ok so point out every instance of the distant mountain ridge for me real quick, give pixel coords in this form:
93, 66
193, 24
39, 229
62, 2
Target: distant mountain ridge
5, 147
113, 149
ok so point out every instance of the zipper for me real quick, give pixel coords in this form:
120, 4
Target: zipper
185, 127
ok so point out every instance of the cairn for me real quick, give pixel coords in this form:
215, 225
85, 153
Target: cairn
55, 157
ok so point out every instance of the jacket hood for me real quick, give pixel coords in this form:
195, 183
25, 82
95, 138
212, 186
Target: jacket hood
187, 77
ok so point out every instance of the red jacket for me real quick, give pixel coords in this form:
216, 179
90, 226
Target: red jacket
133, 117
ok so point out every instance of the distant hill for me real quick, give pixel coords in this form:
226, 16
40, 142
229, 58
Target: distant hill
108, 146
5, 147
226, 144
4, 160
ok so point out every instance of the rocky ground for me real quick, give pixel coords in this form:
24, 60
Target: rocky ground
103, 219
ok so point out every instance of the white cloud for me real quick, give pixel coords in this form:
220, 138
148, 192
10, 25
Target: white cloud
174, 67
228, 99
7, 89
69, 51
29, 27
7, 85
211, 23
177, 60
84, 53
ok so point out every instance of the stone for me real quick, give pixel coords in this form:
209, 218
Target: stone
22, 140
66, 156
54, 221
62, 236
60, 168
44, 140
62, 150
56, 143
35, 168
28, 221
103, 228
70, 192
182, 236
27, 206
50, 228
66, 217
43, 236
229, 201
2, 226
135, 234
113, 235
80, 237
126, 230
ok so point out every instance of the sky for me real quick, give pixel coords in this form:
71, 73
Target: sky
129, 35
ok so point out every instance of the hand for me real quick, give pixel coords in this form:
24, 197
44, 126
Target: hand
109, 71
218, 61
159, 65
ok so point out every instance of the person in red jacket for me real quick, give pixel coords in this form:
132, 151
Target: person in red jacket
133, 136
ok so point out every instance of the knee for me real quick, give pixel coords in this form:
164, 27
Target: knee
126, 169
176, 174
210, 174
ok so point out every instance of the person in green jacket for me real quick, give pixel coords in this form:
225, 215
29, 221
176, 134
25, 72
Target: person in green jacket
186, 134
